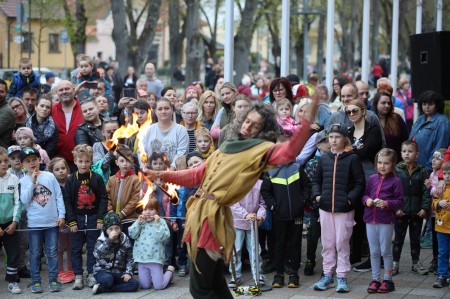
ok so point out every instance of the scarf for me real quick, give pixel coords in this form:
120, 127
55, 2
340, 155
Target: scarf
130, 172
42, 131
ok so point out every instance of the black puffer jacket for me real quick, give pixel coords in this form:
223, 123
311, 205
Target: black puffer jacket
340, 182
88, 134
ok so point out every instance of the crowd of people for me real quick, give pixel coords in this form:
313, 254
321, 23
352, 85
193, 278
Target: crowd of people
351, 165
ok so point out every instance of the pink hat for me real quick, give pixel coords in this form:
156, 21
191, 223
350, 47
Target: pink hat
299, 91
26, 132
189, 88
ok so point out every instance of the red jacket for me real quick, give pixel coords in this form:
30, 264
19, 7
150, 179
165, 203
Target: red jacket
66, 140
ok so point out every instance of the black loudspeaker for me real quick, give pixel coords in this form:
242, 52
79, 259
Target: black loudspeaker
430, 63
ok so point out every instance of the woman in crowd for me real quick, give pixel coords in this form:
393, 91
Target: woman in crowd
43, 126
208, 107
394, 127
404, 95
20, 110
129, 81
335, 99
226, 114
280, 88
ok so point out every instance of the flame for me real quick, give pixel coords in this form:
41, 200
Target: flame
148, 193
172, 190
140, 135
123, 132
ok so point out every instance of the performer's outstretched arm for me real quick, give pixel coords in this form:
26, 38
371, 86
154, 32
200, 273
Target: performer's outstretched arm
187, 178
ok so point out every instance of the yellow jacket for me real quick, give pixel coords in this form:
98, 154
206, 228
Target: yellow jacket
442, 223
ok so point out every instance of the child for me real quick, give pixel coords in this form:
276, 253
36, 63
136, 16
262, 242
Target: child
123, 190
313, 235
16, 167
285, 190
103, 108
382, 198
104, 159
10, 211
60, 169
41, 196
204, 143
113, 252
151, 233
338, 187
431, 184
25, 138
86, 202
442, 227
251, 208
25, 77
178, 212
416, 205
88, 72
284, 117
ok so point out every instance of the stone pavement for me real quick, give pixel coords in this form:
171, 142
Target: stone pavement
408, 285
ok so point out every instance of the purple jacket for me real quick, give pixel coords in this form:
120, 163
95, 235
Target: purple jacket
390, 189
251, 203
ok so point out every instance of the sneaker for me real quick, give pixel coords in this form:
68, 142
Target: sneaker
440, 282
342, 286
363, 267
62, 276
395, 268
278, 281
387, 286
54, 286
309, 268
14, 288
324, 283
97, 289
373, 287
234, 283
293, 281
70, 276
36, 287
419, 269
426, 242
90, 280
24, 273
182, 271
78, 284
262, 280
433, 267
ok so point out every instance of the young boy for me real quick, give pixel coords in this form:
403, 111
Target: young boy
25, 77
313, 235
86, 202
442, 227
41, 196
88, 72
285, 190
113, 252
10, 210
16, 167
416, 206
123, 190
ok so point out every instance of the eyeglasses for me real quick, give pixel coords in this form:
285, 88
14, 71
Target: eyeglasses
190, 113
15, 106
279, 90
352, 112
438, 155
109, 119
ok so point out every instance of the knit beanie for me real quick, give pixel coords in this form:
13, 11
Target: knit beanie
24, 131
111, 219
189, 88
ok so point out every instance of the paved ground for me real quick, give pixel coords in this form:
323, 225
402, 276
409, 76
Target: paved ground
408, 285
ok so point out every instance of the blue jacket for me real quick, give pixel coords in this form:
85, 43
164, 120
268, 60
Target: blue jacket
430, 136
19, 82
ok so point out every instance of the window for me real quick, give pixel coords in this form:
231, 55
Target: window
53, 43
27, 41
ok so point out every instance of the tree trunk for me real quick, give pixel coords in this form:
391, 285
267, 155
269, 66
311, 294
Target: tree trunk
194, 40
76, 27
320, 40
120, 35
243, 39
176, 36
344, 40
374, 33
353, 34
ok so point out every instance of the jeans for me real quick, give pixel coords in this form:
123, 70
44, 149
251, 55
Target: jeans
181, 247
38, 237
246, 235
113, 282
444, 252
79, 238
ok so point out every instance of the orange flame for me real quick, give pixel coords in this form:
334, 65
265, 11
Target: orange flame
123, 132
148, 194
140, 135
172, 190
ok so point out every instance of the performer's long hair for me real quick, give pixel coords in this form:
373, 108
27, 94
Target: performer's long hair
271, 128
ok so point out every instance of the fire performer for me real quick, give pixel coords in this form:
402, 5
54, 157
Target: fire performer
225, 178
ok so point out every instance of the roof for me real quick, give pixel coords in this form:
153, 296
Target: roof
9, 7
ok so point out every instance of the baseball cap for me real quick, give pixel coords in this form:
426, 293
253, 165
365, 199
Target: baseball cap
321, 136
28, 151
340, 129
13, 149
299, 91
49, 75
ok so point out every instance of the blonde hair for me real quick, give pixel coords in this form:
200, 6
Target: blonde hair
202, 100
86, 58
82, 149
55, 161
283, 102
387, 152
24, 61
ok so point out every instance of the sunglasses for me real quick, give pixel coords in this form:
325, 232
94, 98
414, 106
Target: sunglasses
438, 155
16, 106
109, 119
352, 112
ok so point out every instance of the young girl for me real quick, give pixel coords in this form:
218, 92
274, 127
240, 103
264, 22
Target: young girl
338, 187
204, 143
284, 117
382, 198
60, 169
25, 138
151, 234
104, 160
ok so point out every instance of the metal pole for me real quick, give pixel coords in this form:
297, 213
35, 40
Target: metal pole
29, 30
419, 17
305, 40
229, 41
256, 248
365, 42
330, 43
285, 16
394, 49
439, 15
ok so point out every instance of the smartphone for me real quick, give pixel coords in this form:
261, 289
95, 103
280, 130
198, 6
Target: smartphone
90, 85
83, 94
129, 93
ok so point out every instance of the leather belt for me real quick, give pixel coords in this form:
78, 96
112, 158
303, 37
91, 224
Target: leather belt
201, 194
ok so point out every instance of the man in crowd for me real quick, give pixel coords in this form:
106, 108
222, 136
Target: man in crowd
154, 85
7, 117
29, 97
